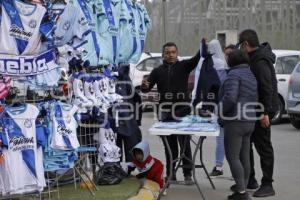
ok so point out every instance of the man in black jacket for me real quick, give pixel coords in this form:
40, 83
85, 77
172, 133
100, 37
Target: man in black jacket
261, 62
171, 79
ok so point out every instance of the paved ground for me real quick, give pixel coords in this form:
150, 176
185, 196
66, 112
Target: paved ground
286, 142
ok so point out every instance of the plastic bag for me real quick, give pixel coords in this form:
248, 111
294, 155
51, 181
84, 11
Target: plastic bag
110, 174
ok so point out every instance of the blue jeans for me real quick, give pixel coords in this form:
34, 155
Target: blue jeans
220, 152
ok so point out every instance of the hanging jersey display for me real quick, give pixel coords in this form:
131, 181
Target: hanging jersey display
106, 136
133, 29
64, 127
89, 91
144, 25
109, 153
128, 34
70, 24
108, 27
94, 52
21, 151
22, 28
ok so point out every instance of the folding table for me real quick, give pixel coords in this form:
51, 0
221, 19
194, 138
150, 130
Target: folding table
199, 147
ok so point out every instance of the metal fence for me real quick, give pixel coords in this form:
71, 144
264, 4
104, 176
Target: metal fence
186, 21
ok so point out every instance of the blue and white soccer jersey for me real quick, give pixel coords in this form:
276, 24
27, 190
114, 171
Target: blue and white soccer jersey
128, 33
79, 99
71, 23
108, 27
134, 24
64, 127
21, 152
144, 25
89, 92
22, 28
106, 136
91, 45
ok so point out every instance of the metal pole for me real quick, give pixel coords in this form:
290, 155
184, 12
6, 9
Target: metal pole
164, 20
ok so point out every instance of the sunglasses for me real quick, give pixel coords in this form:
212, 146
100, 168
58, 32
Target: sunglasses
239, 45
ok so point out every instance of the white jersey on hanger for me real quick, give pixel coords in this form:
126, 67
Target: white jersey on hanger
22, 28
70, 24
109, 153
90, 93
106, 136
80, 99
64, 127
21, 153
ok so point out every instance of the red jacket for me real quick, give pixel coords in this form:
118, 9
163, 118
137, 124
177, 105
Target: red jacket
153, 169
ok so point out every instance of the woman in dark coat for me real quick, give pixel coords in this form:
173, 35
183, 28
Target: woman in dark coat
237, 114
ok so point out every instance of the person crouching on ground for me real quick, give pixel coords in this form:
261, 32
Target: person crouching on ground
148, 166
237, 113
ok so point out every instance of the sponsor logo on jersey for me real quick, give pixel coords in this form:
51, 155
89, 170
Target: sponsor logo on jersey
62, 130
27, 65
19, 143
19, 33
113, 30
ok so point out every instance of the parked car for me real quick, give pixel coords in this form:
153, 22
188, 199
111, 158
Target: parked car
286, 61
147, 62
293, 97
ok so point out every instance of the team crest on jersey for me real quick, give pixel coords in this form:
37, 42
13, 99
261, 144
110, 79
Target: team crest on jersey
28, 123
68, 119
91, 89
11, 128
67, 25
133, 31
114, 3
142, 33
12, 13
32, 23
82, 21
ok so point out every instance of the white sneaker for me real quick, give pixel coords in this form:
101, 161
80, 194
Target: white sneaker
165, 192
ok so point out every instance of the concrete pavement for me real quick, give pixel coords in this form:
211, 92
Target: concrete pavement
286, 142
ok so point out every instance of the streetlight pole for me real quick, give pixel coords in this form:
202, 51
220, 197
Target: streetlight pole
164, 20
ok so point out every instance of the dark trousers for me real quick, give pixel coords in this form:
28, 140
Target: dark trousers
237, 150
129, 142
261, 138
173, 141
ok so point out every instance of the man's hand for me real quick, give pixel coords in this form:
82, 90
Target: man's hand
265, 121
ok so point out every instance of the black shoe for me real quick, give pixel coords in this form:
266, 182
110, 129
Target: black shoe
264, 191
188, 180
239, 196
233, 188
216, 172
252, 185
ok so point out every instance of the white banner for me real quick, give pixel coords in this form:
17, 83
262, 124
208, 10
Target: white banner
27, 65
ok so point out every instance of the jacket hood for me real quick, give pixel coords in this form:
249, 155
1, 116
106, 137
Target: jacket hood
214, 48
263, 52
144, 146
